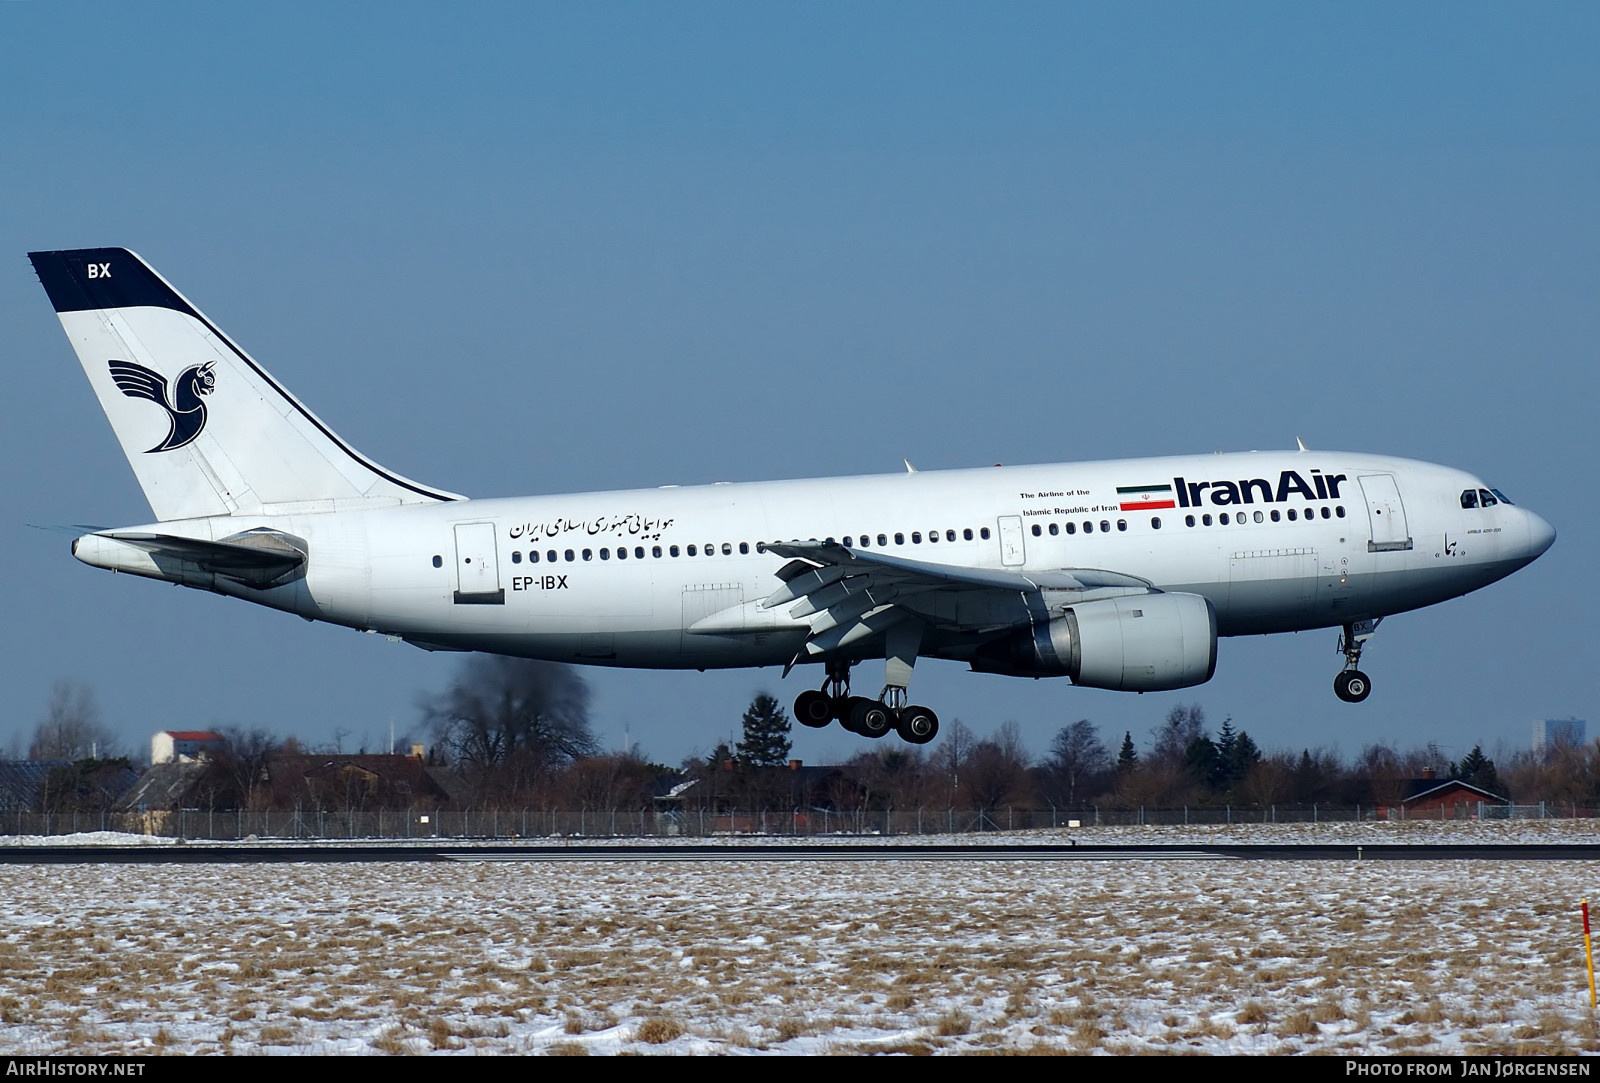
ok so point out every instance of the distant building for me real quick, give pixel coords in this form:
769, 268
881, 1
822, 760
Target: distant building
175, 746
1552, 733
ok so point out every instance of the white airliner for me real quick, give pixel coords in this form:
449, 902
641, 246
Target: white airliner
1118, 575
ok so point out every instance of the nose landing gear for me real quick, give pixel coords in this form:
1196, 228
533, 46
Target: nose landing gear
1352, 685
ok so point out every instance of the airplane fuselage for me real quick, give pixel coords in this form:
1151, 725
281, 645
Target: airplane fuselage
1276, 541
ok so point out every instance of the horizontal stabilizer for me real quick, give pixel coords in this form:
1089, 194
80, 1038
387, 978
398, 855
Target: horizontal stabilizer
255, 558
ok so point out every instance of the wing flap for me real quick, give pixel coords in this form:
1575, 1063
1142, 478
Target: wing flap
847, 595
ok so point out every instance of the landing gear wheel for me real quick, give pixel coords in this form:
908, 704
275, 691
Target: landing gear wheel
918, 725
1352, 686
813, 709
868, 717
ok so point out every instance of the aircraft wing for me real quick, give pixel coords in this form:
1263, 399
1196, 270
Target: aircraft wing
846, 594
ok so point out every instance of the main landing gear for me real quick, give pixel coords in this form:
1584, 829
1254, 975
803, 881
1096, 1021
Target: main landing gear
867, 717
1352, 685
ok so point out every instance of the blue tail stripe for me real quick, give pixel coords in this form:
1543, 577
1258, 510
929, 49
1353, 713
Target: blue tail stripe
84, 279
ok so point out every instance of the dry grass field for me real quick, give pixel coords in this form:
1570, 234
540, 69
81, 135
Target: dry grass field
794, 957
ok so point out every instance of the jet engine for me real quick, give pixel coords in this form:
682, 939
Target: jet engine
1141, 643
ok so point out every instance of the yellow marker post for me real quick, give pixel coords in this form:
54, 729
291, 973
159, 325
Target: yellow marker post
1588, 952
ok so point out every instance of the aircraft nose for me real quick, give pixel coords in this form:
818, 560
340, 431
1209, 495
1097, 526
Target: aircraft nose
1541, 535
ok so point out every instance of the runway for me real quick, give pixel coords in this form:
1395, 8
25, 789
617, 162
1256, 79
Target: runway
773, 851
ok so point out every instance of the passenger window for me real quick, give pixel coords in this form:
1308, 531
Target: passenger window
1258, 517
727, 549
533, 556
1188, 520
1155, 522
933, 537
899, 539
570, 556
1054, 530
983, 532
744, 548
949, 535
1275, 515
1291, 515
1072, 528
1105, 527
605, 554
967, 533
1223, 518
1206, 518
1339, 511
1037, 531
655, 550
883, 539
1088, 527
438, 561
674, 550
1122, 525
516, 556
588, 554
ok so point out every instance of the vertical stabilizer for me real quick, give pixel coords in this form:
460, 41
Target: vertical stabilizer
207, 430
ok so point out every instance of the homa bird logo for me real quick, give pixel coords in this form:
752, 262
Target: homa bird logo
186, 410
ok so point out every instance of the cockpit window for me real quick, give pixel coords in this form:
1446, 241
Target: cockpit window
1487, 498
1500, 495
1469, 498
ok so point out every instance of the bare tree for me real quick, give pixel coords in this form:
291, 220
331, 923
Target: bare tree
509, 723
71, 728
997, 771
238, 770
1185, 724
1077, 757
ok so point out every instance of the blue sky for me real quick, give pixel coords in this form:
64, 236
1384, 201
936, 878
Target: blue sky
512, 249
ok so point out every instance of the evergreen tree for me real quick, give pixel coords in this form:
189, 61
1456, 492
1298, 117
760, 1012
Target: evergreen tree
766, 734
1127, 759
1203, 763
1245, 755
1478, 770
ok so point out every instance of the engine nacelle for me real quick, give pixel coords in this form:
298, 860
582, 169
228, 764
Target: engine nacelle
1143, 643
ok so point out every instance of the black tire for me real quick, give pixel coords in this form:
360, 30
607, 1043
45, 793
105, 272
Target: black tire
869, 718
1352, 686
918, 725
813, 709
847, 713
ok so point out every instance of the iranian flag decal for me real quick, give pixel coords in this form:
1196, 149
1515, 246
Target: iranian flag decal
1145, 497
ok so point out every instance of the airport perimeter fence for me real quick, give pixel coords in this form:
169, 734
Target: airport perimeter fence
422, 825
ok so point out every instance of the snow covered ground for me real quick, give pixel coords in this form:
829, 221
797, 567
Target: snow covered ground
811, 956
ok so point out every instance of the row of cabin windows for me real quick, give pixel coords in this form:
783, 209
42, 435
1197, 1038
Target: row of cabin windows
1275, 515
1088, 527
728, 548
865, 541
622, 552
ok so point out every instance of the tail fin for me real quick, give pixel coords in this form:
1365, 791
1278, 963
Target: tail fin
206, 429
